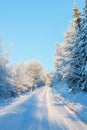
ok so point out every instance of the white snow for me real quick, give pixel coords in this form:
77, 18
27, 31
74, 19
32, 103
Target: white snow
42, 109
76, 102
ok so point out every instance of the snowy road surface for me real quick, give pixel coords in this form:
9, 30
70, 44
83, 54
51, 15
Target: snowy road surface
40, 110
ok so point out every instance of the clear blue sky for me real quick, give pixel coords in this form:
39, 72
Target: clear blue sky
34, 26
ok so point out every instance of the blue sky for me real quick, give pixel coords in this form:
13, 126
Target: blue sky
34, 26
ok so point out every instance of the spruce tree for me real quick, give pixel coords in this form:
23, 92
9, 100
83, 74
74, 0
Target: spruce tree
72, 69
66, 53
82, 46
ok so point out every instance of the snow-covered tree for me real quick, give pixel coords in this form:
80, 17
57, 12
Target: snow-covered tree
49, 81
29, 75
77, 72
63, 53
36, 74
58, 64
82, 48
60, 58
20, 78
73, 67
67, 54
7, 88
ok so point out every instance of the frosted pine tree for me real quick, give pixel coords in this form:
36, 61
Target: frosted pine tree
72, 69
63, 63
83, 50
68, 45
58, 63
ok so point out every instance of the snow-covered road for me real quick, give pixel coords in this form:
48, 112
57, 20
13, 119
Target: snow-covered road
40, 110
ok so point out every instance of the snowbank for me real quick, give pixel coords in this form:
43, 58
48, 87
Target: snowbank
75, 102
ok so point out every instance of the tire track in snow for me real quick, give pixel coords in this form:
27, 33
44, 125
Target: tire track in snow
41, 110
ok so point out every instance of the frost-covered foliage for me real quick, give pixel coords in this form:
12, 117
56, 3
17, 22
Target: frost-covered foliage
20, 78
82, 48
56, 77
58, 64
49, 79
36, 74
29, 75
72, 68
77, 74
71, 55
7, 88
67, 64
63, 53
60, 58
